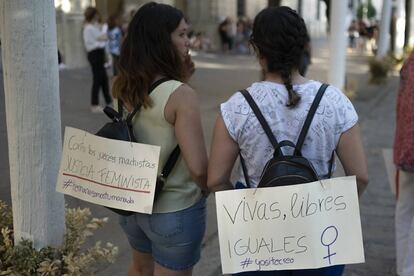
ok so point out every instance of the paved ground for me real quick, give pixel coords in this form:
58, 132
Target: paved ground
216, 78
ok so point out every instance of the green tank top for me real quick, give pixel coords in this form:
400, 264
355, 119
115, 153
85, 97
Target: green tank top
150, 127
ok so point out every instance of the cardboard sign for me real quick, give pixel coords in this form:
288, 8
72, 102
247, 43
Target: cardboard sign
108, 172
303, 226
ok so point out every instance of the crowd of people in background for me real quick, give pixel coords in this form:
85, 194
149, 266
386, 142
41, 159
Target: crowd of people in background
363, 35
103, 38
235, 37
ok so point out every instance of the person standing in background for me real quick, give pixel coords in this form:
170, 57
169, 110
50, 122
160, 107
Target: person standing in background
224, 30
94, 38
114, 40
404, 161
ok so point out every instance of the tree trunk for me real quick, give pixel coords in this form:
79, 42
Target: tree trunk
31, 85
337, 44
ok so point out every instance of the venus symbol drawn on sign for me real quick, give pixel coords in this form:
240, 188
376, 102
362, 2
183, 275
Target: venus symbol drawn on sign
328, 237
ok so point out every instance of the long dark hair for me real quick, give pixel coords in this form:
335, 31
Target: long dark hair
280, 37
147, 51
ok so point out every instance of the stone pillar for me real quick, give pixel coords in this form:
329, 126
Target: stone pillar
31, 86
136, 4
290, 3
384, 31
337, 44
205, 16
407, 32
69, 29
253, 7
315, 20
411, 34
400, 26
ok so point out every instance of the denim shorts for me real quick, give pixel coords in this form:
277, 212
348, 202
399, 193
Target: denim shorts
173, 239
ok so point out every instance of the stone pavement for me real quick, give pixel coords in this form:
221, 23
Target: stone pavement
216, 78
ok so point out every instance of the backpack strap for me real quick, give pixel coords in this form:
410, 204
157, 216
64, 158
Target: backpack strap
263, 122
173, 157
120, 108
244, 168
331, 161
138, 107
309, 118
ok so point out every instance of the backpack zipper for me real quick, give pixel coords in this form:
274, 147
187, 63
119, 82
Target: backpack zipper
286, 162
286, 176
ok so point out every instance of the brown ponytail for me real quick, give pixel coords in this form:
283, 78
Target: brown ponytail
280, 37
294, 97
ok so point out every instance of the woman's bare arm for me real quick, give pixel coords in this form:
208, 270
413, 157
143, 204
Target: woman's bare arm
351, 154
182, 110
223, 154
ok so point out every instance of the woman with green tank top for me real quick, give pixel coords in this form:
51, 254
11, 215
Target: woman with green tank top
167, 242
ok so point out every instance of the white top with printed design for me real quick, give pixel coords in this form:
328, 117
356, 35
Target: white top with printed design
335, 115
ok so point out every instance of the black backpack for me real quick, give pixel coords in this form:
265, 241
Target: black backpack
121, 129
282, 169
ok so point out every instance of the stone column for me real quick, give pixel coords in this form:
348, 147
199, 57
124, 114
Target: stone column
384, 31
31, 86
205, 16
69, 29
136, 4
253, 7
337, 44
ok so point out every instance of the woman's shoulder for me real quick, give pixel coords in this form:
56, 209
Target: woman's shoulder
179, 90
115, 30
179, 87
337, 97
332, 94
87, 26
91, 29
237, 96
171, 86
90, 26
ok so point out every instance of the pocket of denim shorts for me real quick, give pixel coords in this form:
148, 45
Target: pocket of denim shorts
166, 225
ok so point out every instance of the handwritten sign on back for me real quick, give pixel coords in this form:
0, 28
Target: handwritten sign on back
108, 172
302, 226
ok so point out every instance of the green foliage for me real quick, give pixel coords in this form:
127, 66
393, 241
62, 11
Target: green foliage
366, 10
379, 69
6, 218
371, 11
72, 259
